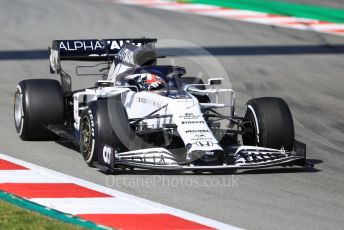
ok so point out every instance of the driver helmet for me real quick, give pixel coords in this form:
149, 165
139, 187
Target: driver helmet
149, 81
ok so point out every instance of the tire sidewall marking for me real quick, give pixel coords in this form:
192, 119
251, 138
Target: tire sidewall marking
255, 121
90, 118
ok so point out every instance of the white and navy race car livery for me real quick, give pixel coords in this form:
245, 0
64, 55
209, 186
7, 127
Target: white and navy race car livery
144, 115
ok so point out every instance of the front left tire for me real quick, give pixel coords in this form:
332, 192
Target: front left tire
103, 125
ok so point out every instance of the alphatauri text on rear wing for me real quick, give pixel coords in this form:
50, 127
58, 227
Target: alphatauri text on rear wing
89, 50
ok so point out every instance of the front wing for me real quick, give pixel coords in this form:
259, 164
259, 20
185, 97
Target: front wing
242, 157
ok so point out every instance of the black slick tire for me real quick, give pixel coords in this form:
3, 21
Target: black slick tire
103, 124
38, 103
270, 122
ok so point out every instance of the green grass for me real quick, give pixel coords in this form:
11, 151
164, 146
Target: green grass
12, 217
280, 8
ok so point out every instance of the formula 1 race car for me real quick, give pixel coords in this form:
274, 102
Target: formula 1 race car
144, 115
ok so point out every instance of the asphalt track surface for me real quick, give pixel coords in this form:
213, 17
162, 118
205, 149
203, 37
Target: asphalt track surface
303, 67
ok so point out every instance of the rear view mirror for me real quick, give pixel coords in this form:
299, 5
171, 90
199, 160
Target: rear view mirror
214, 81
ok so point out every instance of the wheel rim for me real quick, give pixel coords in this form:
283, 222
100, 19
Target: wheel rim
18, 109
85, 137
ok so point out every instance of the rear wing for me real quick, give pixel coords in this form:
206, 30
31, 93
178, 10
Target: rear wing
89, 50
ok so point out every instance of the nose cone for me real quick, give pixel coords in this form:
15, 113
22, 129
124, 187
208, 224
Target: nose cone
203, 158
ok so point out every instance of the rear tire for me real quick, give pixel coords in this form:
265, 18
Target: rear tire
38, 103
272, 124
103, 123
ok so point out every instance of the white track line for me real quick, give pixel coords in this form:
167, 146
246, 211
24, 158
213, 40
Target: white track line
27, 176
106, 205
